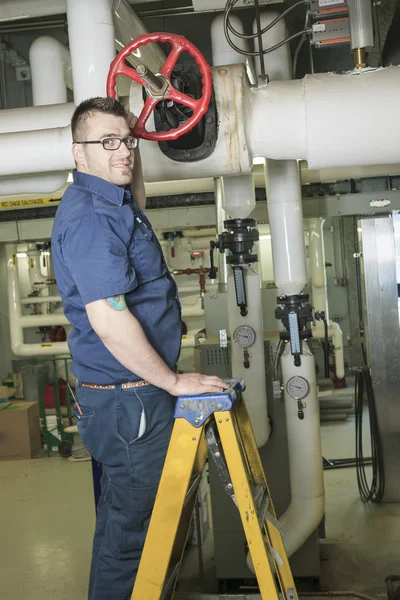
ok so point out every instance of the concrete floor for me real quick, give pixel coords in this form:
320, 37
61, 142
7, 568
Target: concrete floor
47, 518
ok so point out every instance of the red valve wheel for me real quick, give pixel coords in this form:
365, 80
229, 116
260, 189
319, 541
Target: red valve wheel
199, 107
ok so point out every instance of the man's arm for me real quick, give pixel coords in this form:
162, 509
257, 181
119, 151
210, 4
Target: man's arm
137, 185
123, 336
138, 189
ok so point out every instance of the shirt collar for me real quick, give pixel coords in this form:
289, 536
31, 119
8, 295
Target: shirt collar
101, 187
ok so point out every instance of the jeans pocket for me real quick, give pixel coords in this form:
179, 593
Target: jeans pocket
85, 420
130, 417
129, 512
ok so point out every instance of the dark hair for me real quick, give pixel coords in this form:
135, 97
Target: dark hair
106, 106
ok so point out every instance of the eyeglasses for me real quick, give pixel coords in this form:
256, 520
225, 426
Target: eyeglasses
113, 143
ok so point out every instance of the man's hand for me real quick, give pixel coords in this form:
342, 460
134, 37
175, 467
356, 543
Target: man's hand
191, 384
131, 119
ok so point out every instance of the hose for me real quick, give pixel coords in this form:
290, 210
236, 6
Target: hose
374, 491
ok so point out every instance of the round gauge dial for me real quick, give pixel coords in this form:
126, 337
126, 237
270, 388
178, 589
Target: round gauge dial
244, 336
297, 387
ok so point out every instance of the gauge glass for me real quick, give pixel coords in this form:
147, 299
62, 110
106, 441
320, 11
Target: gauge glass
298, 387
244, 336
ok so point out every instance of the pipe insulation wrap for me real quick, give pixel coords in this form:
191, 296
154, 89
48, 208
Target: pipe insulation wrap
92, 46
286, 223
361, 23
35, 118
307, 505
288, 119
277, 63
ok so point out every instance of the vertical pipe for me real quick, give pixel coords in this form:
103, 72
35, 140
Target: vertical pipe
92, 46
318, 271
361, 23
285, 212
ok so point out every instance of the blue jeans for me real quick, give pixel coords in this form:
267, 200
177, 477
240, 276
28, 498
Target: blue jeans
128, 432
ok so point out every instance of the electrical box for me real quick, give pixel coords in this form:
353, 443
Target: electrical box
330, 32
323, 9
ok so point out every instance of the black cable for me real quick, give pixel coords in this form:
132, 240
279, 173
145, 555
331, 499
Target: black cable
227, 26
364, 390
325, 346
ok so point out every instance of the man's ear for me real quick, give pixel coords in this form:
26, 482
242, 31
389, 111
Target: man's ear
78, 154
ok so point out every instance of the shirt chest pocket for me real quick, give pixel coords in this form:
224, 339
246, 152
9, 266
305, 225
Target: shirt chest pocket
145, 254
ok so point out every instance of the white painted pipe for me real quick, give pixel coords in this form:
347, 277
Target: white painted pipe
43, 183
222, 52
36, 151
50, 67
239, 198
317, 261
41, 300
34, 270
26, 321
256, 391
294, 126
277, 63
192, 289
14, 309
307, 504
284, 120
91, 41
285, 212
36, 118
320, 293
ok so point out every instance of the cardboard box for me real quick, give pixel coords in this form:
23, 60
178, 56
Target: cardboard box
20, 435
6, 393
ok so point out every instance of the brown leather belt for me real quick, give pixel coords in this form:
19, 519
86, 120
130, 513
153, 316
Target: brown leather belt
124, 386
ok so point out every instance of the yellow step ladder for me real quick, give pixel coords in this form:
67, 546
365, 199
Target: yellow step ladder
219, 423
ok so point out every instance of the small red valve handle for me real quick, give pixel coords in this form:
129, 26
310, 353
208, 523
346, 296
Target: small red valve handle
199, 107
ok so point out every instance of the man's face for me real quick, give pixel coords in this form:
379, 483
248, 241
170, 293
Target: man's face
115, 166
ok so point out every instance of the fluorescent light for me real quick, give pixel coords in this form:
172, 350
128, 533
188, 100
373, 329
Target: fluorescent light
265, 237
359, 229
70, 178
21, 255
258, 160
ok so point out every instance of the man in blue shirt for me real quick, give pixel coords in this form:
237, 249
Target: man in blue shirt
123, 305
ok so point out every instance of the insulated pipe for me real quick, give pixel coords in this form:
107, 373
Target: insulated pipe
50, 66
91, 40
14, 310
307, 504
41, 299
318, 271
43, 183
285, 212
35, 118
51, 71
281, 120
222, 52
35, 273
320, 293
277, 63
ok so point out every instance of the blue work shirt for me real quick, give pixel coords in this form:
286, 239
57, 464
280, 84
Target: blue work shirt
103, 245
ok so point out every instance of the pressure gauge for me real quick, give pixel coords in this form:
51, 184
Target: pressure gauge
244, 336
297, 387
